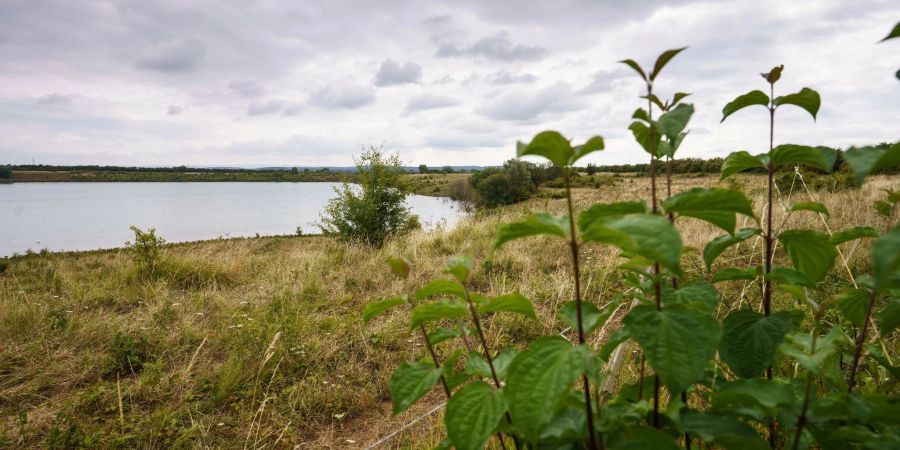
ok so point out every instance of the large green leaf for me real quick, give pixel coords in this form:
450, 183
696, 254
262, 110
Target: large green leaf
811, 252
750, 339
641, 438
751, 98
886, 259
373, 309
697, 294
441, 287
400, 266
800, 346
757, 398
592, 145
789, 275
810, 206
515, 302
637, 68
472, 414
533, 225
821, 158
603, 211
866, 161
647, 137
733, 274
716, 206
807, 99
679, 341
592, 317
664, 59
853, 233
853, 305
428, 312
536, 380
460, 267
549, 144
739, 162
889, 318
726, 431
895, 33
649, 236
672, 123
442, 334
718, 245
410, 381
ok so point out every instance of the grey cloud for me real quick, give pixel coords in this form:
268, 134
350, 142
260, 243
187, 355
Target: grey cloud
293, 109
55, 99
349, 96
392, 73
172, 56
429, 101
267, 107
504, 77
246, 88
174, 110
527, 105
497, 47
601, 83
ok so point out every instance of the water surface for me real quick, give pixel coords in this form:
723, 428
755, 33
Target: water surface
88, 216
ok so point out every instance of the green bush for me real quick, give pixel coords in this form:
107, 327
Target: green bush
375, 209
5, 172
145, 250
504, 186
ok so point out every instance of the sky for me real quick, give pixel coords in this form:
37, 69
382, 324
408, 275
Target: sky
256, 83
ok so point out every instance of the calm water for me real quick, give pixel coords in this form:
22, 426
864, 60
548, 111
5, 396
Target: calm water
87, 216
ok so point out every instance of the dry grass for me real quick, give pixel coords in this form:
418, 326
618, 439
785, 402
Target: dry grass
199, 363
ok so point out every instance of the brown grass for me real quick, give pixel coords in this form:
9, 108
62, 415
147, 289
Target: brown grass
209, 373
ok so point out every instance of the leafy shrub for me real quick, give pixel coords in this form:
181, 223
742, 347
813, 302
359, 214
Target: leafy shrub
146, 250
710, 376
375, 209
5, 172
128, 354
504, 186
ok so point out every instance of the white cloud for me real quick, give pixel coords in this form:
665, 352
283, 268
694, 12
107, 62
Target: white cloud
527, 105
89, 84
174, 110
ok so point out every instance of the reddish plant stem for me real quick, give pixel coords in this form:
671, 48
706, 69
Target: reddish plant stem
576, 268
860, 340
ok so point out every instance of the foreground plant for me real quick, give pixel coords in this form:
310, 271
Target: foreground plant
722, 354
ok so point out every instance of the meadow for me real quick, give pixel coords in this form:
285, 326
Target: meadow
259, 343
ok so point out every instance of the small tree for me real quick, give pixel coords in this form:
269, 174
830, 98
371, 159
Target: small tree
592, 169
294, 171
145, 250
375, 209
447, 169
423, 168
5, 171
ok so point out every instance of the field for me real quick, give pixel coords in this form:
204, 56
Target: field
259, 343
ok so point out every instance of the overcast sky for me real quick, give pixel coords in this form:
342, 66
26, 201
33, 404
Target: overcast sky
308, 83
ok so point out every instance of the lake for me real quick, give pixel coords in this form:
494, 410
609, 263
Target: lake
89, 216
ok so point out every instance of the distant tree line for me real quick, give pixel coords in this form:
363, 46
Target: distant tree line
425, 169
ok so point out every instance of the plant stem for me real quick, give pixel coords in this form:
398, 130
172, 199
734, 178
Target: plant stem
576, 269
434, 357
767, 284
801, 421
656, 282
490, 361
860, 340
